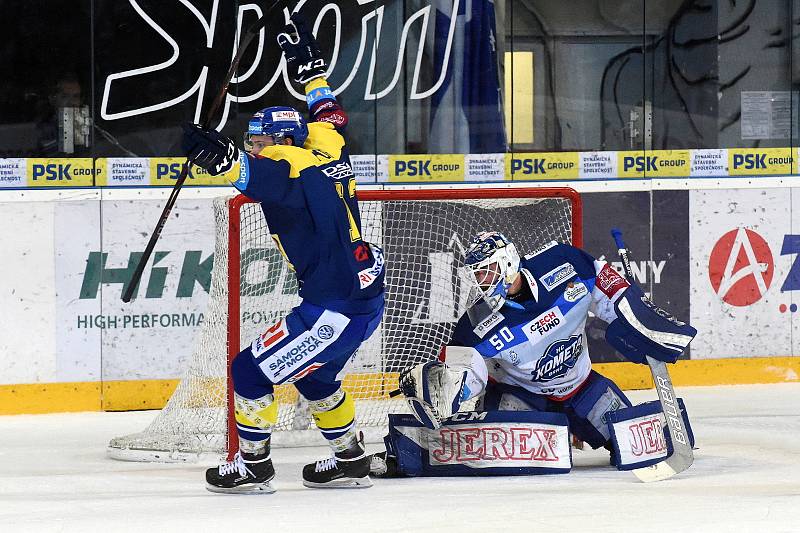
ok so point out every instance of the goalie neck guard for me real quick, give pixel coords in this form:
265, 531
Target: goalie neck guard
492, 262
278, 122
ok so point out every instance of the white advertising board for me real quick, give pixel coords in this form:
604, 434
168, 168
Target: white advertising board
27, 298
743, 274
96, 253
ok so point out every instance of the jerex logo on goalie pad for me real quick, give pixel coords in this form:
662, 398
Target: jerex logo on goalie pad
486, 443
637, 434
493, 445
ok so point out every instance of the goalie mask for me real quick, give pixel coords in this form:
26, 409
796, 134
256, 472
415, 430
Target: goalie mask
278, 122
493, 263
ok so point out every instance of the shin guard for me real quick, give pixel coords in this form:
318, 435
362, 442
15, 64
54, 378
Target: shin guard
254, 421
335, 418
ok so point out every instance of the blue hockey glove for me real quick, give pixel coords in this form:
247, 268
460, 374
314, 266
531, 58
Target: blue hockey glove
209, 149
303, 56
642, 328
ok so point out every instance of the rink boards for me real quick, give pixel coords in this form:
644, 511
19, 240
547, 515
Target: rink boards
724, 258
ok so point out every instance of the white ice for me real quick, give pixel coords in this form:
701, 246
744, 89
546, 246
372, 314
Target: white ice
54, 476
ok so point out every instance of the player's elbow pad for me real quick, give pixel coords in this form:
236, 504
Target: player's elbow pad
641, 329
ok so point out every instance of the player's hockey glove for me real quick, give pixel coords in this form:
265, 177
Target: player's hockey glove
303, 56
209, 149
642, 328
433, 391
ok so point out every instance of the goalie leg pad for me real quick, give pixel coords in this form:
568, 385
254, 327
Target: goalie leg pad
638, 437
504, 397
587, 410
335, 418
482, 444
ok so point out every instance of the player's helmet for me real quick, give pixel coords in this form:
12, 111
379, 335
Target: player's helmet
493, 263
278, 122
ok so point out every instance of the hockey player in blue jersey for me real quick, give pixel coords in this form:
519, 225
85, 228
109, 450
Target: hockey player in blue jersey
301, 174
522, 347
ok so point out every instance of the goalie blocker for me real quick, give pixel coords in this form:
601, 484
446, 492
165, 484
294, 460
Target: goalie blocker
520, 442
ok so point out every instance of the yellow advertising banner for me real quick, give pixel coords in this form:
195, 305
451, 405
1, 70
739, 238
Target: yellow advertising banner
435, 167
165, 171
654, 164
759, 161
542, 166
60, 172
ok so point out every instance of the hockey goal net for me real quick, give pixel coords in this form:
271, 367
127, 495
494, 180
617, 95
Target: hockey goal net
423, 234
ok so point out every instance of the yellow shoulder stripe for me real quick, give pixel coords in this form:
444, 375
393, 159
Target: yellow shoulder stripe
298, 158
323, 136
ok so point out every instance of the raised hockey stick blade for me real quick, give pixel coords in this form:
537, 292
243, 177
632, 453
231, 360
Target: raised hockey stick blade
245, 41
682, 455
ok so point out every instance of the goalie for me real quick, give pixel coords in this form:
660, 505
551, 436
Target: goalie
521, 349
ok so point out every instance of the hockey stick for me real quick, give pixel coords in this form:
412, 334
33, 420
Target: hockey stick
682, 455
248, 36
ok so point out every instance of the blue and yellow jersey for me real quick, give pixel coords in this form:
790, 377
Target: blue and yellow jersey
308, 196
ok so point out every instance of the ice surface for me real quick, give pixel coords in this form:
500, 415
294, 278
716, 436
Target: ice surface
54, 476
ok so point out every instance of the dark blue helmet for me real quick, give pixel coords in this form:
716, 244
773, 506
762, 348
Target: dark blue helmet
278, 122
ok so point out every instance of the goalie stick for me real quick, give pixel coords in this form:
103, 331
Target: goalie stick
248, 36
682, 455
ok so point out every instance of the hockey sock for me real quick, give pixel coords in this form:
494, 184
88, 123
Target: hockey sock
335, 418
254, 421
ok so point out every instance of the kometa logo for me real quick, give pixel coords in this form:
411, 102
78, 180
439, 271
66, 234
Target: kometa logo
558, 359
741, 267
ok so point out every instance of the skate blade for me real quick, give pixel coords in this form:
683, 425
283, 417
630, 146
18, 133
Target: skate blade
251, 488
342, 483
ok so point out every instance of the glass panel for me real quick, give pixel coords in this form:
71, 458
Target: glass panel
45, 61
518, 102
794, 62
389, 64
721, 74
581, 64
260, 81
756, 94
572, 76
156, 65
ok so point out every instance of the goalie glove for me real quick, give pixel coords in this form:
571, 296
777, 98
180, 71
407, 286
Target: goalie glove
303, 56
433, 391
209, 149
642, 328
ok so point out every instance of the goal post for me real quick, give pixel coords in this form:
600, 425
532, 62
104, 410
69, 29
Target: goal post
423, 233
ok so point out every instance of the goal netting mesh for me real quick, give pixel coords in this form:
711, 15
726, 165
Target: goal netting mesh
423, 234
